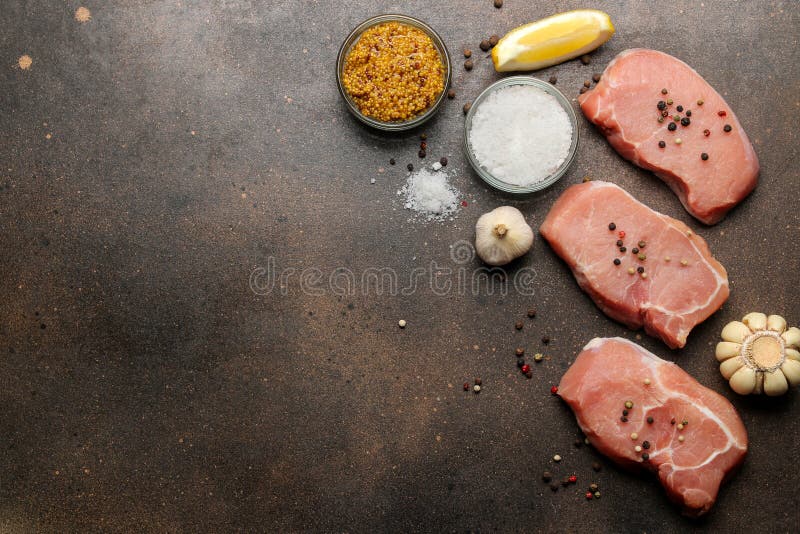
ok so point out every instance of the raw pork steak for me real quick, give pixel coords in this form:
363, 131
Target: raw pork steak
681, 283
611, 371
624, 106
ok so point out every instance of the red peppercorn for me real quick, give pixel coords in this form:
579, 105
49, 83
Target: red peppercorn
573, 479
589, 495
722, 113
466, 386
706, 132
526, 368
554, 390
621, 234
464, 203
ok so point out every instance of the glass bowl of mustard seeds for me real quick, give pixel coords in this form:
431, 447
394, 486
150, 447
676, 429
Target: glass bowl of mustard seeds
393, 72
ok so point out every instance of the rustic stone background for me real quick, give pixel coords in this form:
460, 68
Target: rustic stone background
153, 157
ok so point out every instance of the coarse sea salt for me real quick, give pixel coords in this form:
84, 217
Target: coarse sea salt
430, 195
520, 134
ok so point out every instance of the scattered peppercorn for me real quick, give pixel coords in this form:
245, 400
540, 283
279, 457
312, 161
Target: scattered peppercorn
621, 234
700, 102
669, 101
423, 145
583, 90
410, 167
554, 487
672, 421
485, 45
596, 78
672, 127
664, 91
661, 119
727, 128
681, 438
623, 249
545, 339
529, 374
664, 114
526, 368
493, 40
467, 107
612, 227
638, 448
538, 357
451, 94
642, 257
476, 388
589, 495
686, 121
520, 362
706, 132
688, 112
635, 250
554, 390
478, 381
547, 476
422, 153
678, 141
676, 118
645, 456
573, 479
587, 83
623, 419
629, 404
586, 59
498, 3
704, 156
552, 80
647, 380
640, 269
722, 113
616, 261
661, 105
679, 108
619, 242
565, 481
685, 422
642, 244
631, 270
466, 386
645, 444
468, 64
518, 325
624, 412
392, 161
519, 351
532, 313
650, 420
467, 53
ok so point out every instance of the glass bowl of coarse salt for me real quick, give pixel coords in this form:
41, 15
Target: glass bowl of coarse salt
521, 135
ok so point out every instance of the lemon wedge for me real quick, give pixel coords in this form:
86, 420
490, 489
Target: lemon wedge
552, 40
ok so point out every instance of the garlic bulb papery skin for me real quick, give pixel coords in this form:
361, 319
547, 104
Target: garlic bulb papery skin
759, 354
502, 235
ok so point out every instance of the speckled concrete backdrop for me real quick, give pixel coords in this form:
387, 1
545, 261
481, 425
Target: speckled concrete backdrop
152, 158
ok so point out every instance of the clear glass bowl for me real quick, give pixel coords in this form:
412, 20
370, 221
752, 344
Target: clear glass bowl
554, 177
443, 54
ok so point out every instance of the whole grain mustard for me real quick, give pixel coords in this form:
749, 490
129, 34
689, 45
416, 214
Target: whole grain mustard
393, 72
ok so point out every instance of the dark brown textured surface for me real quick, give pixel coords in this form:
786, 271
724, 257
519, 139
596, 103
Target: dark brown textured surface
145, 387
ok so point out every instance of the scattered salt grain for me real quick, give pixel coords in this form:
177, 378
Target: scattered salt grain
372, 180
437, 166
520, 134
431, 195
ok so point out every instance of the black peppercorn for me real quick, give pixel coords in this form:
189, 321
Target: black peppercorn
532, 313
688, 112
661, 144
672, 127
645, 456
391, 161
635, 250
468, 64
545, 339
552, 80
518, 325
443, 161
622, 249
586, 59
704, 156
646, 445
485, 45
685, 121
493, 40
410, 167
727, 128
616, 261
623, 419
498, 3
619, 242
612, 226
547, 476
661, 105
640, 269
520, 362
422, 153
679, 108
649, 420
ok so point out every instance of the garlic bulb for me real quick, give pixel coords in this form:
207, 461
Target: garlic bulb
502, 235
760, 355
